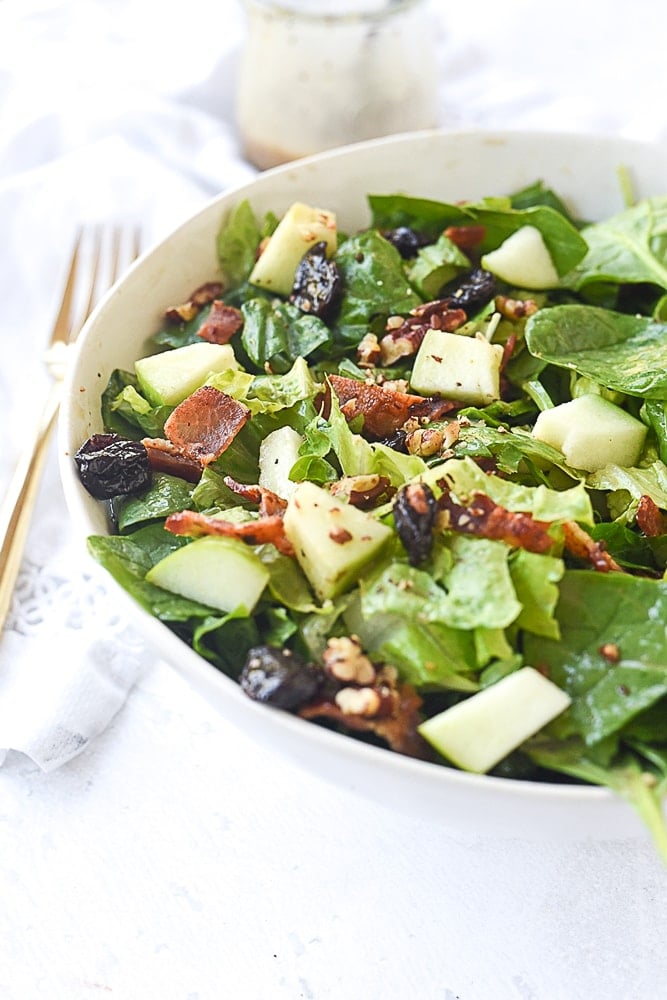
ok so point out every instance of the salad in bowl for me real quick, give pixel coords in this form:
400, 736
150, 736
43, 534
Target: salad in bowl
396, 475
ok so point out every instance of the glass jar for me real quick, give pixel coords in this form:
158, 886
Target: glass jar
316, 74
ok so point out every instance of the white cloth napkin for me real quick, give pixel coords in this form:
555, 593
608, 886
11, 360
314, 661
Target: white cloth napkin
103, 116
126, 111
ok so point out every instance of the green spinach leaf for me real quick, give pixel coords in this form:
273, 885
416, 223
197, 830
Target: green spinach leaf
630, 247
619, 351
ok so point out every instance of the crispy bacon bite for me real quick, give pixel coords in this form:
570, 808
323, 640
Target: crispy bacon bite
267, 528
384, 410
650, 519
269, 503
580, 544
466, 237
487, 519
205, 424
163, 456
259, 532
221, 324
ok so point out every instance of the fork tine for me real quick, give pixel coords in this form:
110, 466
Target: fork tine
61, 325
94, 274
136, 243
112, 250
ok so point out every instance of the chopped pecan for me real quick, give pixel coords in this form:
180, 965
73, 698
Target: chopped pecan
199, 298
395, 721
345, 660
364, 701
394, 384
515, 309
368, 351
365, 492
403, 339
425, 441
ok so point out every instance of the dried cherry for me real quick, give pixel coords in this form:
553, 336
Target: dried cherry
110, 465
415, 511
318, 283
473, 290
279, 677
406, 241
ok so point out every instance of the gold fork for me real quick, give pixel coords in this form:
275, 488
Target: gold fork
99, 257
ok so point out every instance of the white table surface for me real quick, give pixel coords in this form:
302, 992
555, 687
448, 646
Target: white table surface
172, 858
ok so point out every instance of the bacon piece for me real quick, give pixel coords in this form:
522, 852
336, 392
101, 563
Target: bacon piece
508, 351
486, 519
265, 529
269, 503
163, 456
383, 410
396, 721
205, 424
465, 237
200, 297
650, 519
432, 408
580, 544
221, 324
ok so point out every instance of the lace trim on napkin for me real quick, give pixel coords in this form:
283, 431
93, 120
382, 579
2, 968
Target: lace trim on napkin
68, 660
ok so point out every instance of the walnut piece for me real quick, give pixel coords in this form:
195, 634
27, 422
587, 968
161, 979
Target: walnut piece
345, 660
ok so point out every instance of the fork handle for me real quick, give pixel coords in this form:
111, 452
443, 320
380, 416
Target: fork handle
19, 502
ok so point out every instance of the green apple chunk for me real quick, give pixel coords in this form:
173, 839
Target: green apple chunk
592, 432
334, 542
221, 572
523, 260
168, 378
465, 369
477, 733
297, 231
278, 452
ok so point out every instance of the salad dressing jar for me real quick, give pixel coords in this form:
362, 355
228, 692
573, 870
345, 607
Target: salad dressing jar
316, 74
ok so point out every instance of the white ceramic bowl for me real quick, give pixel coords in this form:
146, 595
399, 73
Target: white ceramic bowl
445, 165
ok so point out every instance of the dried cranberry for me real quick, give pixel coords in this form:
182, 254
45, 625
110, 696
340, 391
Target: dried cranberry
110, 465
406, 240
415, 511
318, 283
473, 290
279, 677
